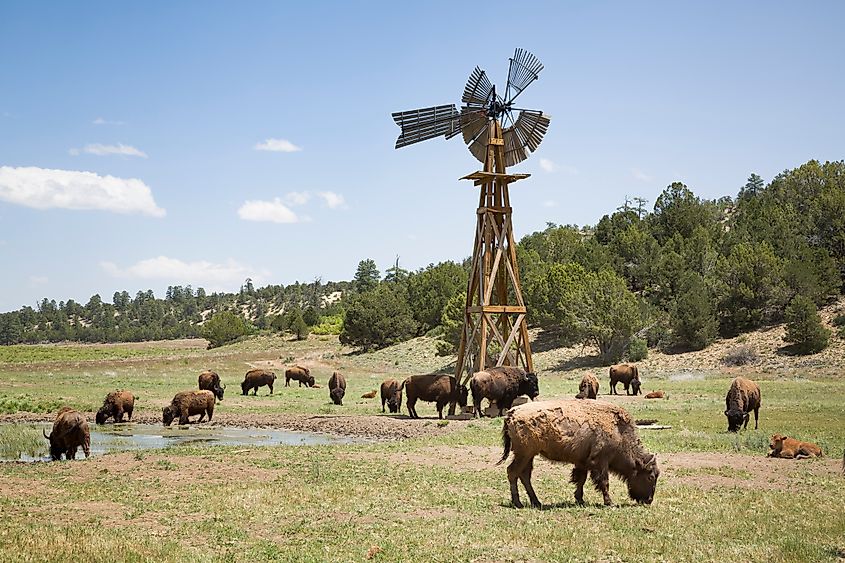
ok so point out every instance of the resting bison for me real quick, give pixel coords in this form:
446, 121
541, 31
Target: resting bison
502, 385
655, 395
589, 387
627, 375
256, 378
300, 374
742, 398
337, 388
391, 393
439, 389
210, 381
783, 446
595, 436
114, 405
189, 403
70, 430
369, 394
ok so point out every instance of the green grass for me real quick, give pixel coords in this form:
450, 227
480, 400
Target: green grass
17, 439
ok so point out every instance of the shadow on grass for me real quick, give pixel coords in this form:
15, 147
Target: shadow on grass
580, 362
589, 507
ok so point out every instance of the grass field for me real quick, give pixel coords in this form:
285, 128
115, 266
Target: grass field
435, 497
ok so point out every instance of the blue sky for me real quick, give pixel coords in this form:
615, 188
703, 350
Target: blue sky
130, 134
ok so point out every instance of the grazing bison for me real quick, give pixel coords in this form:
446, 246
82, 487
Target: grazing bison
210, 381
70, 430
256, 378
627, 375
337, 388
301, 374
434, 388
589, 387
391, 393
502, 385
742, 398
597, 437
115, 405
655, 395
783, 446
189, 403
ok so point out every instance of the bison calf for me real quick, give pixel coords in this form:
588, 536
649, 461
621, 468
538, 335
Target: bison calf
502, 385
789, 448
337, 388
115, 405
210, 381
626, 374
189, 403
300, 374
391, 393
742, 398
439, 389
70, 431
256, 378
655, 395
596, 437
589, 387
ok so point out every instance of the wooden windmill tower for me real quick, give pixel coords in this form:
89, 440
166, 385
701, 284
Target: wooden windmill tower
495, 330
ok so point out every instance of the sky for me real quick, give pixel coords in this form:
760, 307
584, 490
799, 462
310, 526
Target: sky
172, 143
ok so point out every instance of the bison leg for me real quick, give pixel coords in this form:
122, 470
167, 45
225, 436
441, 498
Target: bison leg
613, 388
129, 414
210, 412
452, 406
746, 418
287, 382
627, 391
515, 472
440, 410
579, 477
70, 453
756, 411
411, 404
601, 480
255, 391
525, 477
271, 388
118, 417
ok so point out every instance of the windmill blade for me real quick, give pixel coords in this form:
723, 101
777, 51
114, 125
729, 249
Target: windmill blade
478, 89
524, 69
426, 123
476, 134
525, 135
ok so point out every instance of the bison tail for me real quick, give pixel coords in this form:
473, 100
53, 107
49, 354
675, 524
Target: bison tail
506, 442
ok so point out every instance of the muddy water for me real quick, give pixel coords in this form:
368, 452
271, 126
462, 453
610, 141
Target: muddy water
131, 437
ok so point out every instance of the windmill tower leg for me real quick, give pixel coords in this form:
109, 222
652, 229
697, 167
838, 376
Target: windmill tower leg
495, 314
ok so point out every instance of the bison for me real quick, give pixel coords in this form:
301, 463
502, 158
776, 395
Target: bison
391, 393
70, 430
627, 375
256, 378
369, 394
655, 395
742, 398
790, 448
115, 405
434, 388
301, 374
589, 387
596, 437
210, 381
502, 385
337, 388
189, 403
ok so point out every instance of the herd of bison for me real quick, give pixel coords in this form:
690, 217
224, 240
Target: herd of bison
598, 438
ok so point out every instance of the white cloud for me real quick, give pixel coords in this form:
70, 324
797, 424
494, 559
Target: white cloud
101, 121
547, 165
38, 280
106, 150
297, 198
201, 272
640, 175
332, 199
277, 145
45, 188
549, 203
274, 211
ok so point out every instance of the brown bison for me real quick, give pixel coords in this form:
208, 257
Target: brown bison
742, 398
391, 393
434, 388
114, 405
189, 403
210, 381
70, 430
596, 437
627, 375
790, 448
337, 388
369, 394
502, 385
256, 378
301, 374
589, 387
655, 395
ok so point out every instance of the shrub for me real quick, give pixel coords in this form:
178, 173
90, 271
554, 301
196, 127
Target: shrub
694, 321
804, 326
637, 349
329, 325
223, 328
740, 356
378, 318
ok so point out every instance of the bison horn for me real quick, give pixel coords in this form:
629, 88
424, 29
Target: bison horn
45, 433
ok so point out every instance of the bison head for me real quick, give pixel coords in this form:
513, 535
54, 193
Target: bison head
643, 481
244, 387
56, 450
735, 419
776, 442
530, 386
310, 381
168, 413
218, 392
635, 387
102, 415
337, 394
463, 394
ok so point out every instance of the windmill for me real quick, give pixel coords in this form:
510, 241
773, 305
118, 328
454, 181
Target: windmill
495, 330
